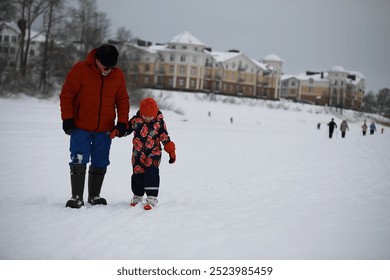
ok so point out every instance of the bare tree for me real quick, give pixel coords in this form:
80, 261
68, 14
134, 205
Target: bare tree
52, 17
383, 100
29, 11
7, 11
88, 28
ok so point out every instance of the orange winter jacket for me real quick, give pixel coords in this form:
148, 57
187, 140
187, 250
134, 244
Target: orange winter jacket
91, 99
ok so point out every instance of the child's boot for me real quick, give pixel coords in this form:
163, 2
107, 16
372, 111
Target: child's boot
135, 200
151, 201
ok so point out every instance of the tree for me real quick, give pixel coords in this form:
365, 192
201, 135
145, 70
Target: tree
369, 101
383, 101
29, 11
52, 17
88, 28
7, 11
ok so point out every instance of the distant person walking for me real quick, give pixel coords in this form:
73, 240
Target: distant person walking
344, 127
372, 128
332, 125
364, 128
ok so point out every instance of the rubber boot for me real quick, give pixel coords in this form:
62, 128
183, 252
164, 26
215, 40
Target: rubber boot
77, 180
95, 182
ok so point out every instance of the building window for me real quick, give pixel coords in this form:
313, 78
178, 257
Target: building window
146, 80
182, 70
6, 38
170, 82
183, 47
183, 58
193, 71
32, 53
172, 57
13, 39
194, 59
192, 83
311, 81
181, 82
171, 69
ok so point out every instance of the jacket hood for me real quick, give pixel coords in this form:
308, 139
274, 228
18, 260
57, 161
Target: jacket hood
90, 60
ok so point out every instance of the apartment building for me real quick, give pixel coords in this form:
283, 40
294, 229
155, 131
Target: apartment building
335, 87
10, 37
185, 63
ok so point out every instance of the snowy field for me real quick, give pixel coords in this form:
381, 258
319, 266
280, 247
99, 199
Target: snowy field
270, 185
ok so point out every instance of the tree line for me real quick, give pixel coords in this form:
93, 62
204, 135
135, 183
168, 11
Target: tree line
71, 28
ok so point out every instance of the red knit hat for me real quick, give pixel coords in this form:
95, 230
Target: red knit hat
148, 107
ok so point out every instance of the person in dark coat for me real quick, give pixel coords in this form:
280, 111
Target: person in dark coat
332, 125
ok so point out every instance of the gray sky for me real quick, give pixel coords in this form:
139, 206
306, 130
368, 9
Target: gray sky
308, 34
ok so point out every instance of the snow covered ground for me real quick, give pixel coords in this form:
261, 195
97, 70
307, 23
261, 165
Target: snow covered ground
267, 186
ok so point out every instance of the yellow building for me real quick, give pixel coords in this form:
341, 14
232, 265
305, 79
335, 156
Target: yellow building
336, 87
185, 63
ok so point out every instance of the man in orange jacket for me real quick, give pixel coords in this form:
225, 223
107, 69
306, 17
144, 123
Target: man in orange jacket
92, 97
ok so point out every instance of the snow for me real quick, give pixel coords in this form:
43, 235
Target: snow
186, 38
267, 186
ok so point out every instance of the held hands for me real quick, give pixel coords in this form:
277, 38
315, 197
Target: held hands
170, 149
68, 126
119, 130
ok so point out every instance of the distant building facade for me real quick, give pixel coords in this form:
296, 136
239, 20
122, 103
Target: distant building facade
10, 38
336, 87
185, 63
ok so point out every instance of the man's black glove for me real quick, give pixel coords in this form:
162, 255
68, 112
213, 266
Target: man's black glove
68, 126
120, 129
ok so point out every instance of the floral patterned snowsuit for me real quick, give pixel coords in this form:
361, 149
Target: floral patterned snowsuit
146, 141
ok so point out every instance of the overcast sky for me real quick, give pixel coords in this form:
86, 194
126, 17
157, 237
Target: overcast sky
307, 34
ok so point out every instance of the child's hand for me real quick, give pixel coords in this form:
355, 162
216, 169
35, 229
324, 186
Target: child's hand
172, 157
170, 149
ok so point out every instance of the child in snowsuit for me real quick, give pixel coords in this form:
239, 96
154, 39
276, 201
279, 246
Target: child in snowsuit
372, 128
149, 132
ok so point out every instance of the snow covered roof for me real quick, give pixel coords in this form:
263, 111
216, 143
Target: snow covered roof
186, 38
273, 57
35, 36
337, 68
261, 65
304, 77
223, 56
